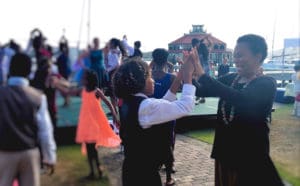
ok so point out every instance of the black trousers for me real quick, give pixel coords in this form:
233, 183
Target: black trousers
140, 173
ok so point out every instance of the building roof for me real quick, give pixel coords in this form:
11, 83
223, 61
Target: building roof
187, 39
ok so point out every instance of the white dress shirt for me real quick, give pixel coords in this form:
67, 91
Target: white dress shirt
113, 58
154, 111
129, 48
45, 128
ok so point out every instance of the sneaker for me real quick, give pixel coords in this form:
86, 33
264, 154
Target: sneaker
171, 182
173, 170
100, 172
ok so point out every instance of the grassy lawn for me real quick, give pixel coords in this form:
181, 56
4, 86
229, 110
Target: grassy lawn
206, 135
284, 139
71, 166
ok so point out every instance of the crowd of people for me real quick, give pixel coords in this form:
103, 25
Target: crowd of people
140, 94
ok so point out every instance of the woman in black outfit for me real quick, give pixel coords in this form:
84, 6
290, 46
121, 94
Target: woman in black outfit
241, 145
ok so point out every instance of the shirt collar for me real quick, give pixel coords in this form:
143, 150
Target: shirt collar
18, 81
141, 95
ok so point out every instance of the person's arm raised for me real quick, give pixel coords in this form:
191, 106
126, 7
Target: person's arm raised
194, 59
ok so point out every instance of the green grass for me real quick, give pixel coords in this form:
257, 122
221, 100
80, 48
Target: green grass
206, 135
71, 166
283, 112
294, 180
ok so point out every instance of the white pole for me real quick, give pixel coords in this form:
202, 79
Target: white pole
89, 22
274, 28
80, 25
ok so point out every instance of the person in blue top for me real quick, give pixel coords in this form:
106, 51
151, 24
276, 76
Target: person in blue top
162, 82
63, 64
97, 63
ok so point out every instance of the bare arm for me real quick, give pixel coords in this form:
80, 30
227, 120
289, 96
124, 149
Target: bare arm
194, 59
176, 83
99, 94
65, 87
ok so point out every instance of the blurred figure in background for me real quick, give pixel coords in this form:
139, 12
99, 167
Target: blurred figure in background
97, 62
162, 82
128, 48
115, 57
137, 50
296, 80
63, 64
83, 62
8, 51
43, 80
223, 68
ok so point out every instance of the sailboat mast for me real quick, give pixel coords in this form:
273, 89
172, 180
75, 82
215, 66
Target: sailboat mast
80, 25
274, 28
89, 22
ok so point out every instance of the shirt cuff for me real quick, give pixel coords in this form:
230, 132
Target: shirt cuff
170, 96
188, 89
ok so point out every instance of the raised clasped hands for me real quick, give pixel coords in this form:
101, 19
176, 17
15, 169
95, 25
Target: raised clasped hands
191, 67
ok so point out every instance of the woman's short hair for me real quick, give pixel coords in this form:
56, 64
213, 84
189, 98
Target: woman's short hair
256, 43
130, 78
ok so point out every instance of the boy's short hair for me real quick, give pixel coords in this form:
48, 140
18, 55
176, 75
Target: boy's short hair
195, 41
20, 65
130, 78
160, 56
137, 44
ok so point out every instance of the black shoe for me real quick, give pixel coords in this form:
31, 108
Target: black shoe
88, 178
202, 100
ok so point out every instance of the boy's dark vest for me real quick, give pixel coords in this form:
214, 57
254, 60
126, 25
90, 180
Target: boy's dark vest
18, 124
140, 145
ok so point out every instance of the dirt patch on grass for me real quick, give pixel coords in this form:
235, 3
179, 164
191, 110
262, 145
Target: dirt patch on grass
70, 168
284, 142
